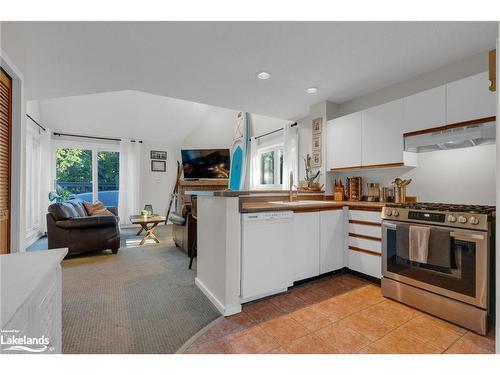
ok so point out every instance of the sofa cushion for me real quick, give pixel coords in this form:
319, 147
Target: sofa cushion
78, 206
91, 207
63, 211
88, 222
175, 218
102, 212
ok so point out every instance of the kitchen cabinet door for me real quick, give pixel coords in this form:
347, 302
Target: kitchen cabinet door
369, 264
332, 240
343, 141
424, 110
382, 134
305, 246
469, 99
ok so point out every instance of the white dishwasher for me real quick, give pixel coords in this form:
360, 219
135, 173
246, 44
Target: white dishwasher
265, 252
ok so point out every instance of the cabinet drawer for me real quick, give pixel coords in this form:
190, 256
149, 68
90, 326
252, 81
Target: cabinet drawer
365, 263
362, 243
370, 216
366, 230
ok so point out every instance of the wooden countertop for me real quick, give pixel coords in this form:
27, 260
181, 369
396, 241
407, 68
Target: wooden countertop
260, 206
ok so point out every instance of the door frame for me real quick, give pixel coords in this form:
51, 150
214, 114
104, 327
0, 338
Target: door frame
18, 141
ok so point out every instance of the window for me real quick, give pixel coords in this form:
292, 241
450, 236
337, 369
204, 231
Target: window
90, 172
271, 166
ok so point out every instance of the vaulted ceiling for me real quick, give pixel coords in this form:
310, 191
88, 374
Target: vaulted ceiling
216, 62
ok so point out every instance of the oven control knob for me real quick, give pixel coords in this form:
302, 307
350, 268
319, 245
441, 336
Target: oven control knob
388, 211
462, 219
451, 218
395, 213
473, 220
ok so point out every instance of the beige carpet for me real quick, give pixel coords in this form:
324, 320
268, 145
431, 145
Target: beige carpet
141, 300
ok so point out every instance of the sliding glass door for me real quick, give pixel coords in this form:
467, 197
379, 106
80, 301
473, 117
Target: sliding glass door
88, 172
74, 172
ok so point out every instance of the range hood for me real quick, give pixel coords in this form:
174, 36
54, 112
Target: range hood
451, 137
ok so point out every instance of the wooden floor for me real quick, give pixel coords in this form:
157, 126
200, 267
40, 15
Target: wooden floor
337, 314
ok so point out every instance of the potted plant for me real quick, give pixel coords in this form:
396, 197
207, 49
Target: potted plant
60, 195
311, 178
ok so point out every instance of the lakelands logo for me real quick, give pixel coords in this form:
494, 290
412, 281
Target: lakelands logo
11, 341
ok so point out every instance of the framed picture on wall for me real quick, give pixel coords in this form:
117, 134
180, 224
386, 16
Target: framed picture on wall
158, 155
316, 142
158, 166
317, 125
316, 158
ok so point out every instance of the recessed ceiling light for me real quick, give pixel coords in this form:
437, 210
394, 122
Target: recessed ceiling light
311, 90
263, 75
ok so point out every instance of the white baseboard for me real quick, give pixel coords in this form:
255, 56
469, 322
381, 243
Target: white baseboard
226, 311
32, 237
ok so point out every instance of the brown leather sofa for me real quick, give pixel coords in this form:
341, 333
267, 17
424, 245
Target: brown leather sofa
184, 230
69, 225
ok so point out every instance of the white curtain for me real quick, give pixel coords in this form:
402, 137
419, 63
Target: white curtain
46, 178
290, 155
130, 177
254, 163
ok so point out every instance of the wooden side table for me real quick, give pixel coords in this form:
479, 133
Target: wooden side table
148, 224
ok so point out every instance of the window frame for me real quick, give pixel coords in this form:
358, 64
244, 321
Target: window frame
95, 148
278, 150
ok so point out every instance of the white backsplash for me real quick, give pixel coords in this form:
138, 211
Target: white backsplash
465, 176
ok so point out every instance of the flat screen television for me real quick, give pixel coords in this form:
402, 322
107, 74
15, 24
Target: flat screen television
205, 164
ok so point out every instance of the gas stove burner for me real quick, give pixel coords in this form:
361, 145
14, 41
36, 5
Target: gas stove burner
425, 206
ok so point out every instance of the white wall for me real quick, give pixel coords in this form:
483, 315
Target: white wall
156, 187
463, 176
326, 110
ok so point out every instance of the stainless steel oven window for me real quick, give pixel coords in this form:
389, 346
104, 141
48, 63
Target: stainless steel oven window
447, 284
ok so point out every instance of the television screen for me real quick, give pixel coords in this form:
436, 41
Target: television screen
205, 163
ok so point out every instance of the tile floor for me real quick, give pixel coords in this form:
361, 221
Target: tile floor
337, 314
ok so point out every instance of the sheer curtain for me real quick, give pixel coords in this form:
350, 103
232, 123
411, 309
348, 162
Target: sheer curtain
254, 163
46, 178
130, 177
290, 155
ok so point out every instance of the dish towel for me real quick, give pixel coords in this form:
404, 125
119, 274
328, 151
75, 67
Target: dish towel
419, 243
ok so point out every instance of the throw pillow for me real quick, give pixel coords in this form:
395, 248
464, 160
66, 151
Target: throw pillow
91, 207
103, 212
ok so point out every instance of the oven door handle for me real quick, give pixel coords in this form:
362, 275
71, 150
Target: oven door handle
467, 236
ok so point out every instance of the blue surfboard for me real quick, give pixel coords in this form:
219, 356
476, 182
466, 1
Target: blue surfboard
239, 152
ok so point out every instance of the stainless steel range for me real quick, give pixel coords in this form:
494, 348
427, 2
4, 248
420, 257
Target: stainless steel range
439, 258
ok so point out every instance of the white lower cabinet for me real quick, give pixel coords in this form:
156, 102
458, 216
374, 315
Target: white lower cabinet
364, 245
369, 264
306, 243
332, 240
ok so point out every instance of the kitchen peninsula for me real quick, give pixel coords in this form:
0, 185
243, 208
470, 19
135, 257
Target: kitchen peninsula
251, 245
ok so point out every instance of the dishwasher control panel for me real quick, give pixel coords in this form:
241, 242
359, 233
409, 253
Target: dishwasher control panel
268, 215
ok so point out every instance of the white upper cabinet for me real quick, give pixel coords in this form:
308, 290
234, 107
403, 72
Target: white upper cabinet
344, 141
469, 99
382, 140
424, 110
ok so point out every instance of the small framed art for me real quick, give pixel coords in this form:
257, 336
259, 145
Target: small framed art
317, 125
158, 155
158, 166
